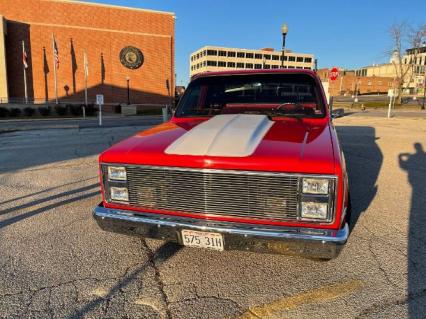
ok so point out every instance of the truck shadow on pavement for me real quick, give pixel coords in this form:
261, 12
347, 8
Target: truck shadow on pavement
415, 166
364, 160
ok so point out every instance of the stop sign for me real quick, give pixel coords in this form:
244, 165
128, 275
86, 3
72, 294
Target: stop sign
334, 74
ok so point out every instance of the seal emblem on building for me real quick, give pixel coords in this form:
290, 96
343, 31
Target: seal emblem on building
131, 57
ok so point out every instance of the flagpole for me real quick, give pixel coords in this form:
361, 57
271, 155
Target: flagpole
54, 69
25, 72
86, 71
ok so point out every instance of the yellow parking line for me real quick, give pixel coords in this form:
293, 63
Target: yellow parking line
322, 294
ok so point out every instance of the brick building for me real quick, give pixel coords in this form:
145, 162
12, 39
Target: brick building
348, 83
100, 30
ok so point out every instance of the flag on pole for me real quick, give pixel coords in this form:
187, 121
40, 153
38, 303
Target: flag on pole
55, 66
55, 53
25, 66
86, 64
24, 56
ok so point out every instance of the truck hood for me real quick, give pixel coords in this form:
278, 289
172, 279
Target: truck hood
238, 142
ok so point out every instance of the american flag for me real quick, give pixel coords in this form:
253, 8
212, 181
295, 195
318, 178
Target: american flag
55, 53
24, 56
86, 65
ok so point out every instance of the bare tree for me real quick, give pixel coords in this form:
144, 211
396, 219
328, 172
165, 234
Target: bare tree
405, 37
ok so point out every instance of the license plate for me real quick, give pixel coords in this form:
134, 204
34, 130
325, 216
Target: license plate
202, 239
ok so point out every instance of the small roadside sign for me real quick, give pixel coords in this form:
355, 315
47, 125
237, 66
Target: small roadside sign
392, 92
334, 74
99, 99
100, 102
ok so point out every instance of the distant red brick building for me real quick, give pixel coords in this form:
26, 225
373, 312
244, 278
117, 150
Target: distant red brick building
348, 82
102, 31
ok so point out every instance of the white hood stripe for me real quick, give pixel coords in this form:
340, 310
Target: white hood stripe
231, 135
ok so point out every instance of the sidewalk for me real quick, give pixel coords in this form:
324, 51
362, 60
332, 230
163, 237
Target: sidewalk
77, 123
421, 114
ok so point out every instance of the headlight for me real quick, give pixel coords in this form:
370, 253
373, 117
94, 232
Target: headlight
119, 194
312, 210
117, 173
315, 186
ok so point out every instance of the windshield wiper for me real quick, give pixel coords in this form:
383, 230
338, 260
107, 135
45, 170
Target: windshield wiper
297, 104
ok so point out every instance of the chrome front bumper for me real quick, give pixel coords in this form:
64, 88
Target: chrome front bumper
308, 242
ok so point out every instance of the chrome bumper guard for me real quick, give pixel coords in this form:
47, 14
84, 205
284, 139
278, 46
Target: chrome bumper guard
308, 242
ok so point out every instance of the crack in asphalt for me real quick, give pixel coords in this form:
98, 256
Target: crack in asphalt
376, 258
157, 276
395, 302
197, 297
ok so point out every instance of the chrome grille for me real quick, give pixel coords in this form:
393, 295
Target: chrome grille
226, 193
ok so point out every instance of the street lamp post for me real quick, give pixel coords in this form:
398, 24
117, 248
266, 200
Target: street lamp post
284, 30
128, 90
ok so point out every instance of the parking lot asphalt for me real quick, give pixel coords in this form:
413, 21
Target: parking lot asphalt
56, 263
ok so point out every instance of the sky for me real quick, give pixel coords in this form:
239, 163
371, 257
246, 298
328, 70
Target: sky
343, 33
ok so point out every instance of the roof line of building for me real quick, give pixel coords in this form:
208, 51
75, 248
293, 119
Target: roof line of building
53, 25
111, 6
242, 49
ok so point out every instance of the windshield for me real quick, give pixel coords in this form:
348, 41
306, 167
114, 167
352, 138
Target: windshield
295, 95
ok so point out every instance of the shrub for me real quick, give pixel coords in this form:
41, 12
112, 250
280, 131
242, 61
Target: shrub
29, 111
90, 109
61, 110
45, 110
76, 110
15, 112
4, 112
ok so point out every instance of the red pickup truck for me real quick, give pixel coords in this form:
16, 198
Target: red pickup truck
250, 160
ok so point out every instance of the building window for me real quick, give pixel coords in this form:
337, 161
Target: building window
275, 57
258, 66
204, 53
308, 60
211, 63
307, 68
299, 67
222, 53
299, 59
240, 54
221, 64
211, 52
266, 66
291, 67
249, 55
204, 63
240, 65
231, 54
249, 65
258, 56
267, 56
285, 58
292, 58
231, 64
275, 66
